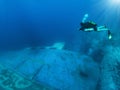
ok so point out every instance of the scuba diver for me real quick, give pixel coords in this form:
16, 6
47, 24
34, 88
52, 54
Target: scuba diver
91, 26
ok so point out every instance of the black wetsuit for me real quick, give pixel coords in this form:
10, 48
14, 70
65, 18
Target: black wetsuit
88, 25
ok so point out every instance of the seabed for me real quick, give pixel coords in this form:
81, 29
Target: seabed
10, 80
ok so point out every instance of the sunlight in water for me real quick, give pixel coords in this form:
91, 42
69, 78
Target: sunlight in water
114, 7
108, 12
115, 2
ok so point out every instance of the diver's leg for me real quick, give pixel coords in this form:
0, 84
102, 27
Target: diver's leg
101, 27
106, 29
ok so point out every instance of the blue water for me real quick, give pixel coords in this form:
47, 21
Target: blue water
29, 22
41, 23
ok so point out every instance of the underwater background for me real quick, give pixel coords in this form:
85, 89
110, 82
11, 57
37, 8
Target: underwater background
42, 48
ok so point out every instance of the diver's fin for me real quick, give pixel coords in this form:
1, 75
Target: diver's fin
109, 35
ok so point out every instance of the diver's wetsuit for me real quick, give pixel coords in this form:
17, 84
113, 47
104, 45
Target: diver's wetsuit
88, 25
91, 26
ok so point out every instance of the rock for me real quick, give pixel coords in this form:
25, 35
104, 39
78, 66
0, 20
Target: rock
110, 78
60, 69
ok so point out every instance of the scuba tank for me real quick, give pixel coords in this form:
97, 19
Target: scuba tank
84, 18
